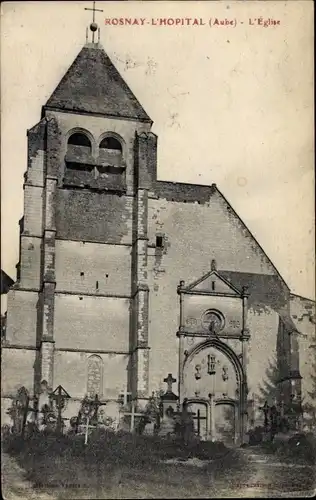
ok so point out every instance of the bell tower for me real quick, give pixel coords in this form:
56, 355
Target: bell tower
91, 164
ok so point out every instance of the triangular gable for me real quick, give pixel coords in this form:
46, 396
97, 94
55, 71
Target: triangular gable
93, 85
213, 282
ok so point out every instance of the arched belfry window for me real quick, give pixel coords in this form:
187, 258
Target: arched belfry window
79, 160
110, 151
79, 142
111, 143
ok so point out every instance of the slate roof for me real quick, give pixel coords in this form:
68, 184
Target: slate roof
93, 85
262, 288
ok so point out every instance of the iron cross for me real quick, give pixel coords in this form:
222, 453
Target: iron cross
93, 25
169, 380
94, 10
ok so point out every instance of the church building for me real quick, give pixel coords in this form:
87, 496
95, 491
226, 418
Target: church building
123, 278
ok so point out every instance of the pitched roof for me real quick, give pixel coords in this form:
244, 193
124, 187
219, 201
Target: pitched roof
92, 84
267, 289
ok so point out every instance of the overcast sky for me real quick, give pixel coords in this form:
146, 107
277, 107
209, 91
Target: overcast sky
230, 105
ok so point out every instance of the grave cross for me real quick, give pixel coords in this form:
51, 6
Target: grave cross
90, 409
125, 393
169, 381
59, 395
198, 418
133, 414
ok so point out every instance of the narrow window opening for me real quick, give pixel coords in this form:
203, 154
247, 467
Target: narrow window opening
82, 273
159, 241
213, 286
97, 285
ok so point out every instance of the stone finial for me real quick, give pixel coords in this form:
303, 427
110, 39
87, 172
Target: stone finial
213, 265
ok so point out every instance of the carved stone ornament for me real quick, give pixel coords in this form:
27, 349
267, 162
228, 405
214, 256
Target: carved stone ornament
225, 373
213, 321
211, 361
197, 372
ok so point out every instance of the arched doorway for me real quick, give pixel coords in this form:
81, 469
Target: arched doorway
212, 378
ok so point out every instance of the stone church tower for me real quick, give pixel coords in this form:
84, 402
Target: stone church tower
123, 278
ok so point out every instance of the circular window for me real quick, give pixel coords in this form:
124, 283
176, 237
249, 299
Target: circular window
213, 321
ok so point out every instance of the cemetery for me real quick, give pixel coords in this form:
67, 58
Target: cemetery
92, 450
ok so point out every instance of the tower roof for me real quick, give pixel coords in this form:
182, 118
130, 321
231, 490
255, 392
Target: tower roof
92, 84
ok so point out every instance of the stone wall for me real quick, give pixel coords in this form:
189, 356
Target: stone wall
22, 318
91, 268
71, 371
194, 234
91, 323
17, 370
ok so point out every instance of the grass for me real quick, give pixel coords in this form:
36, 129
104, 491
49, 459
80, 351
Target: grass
299, 449
129, 466
110, 461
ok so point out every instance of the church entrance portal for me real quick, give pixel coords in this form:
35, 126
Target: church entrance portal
212, 385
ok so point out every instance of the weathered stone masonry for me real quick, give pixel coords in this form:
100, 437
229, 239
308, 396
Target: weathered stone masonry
104, 246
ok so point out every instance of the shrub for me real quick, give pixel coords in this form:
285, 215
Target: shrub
255, 435
302, 447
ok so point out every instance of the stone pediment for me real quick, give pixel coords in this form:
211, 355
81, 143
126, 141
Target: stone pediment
212, 283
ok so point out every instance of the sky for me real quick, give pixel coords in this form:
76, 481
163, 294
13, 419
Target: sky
231, 105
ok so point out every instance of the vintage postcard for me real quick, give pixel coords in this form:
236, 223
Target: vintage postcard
158, 260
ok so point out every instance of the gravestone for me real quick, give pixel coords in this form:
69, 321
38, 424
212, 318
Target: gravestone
167, 425
169, 402
150, 429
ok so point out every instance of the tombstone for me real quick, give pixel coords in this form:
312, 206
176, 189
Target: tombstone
150, 429
20, 411
167, 425
167, 409
169, 398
